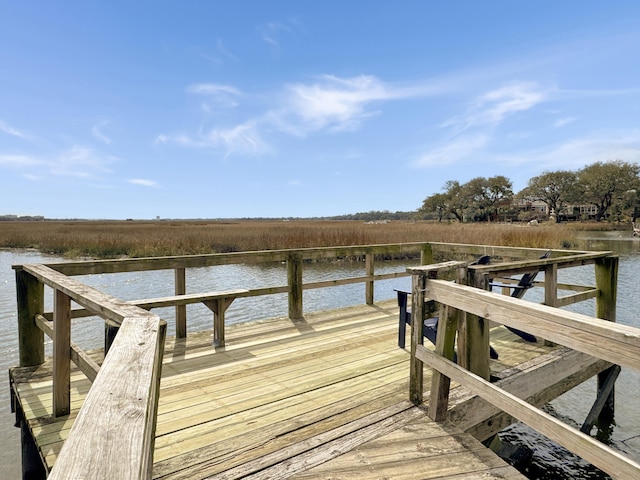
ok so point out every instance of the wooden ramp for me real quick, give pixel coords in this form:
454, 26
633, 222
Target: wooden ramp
324, 397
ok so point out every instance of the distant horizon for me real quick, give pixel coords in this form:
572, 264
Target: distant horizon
9, 217
291, 109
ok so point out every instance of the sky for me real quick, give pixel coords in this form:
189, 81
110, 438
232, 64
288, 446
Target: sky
227, 109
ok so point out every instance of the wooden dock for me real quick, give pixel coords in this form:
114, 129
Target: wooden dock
324, 397
313, 395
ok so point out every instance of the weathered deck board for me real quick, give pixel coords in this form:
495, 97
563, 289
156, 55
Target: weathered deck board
281, 391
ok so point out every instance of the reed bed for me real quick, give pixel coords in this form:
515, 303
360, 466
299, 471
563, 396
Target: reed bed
114, 239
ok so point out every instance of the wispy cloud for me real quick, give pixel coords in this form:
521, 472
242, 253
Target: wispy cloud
143, 182
80, 161
329, 104
224, 51
561, 122
99, 135
242, 139
577, 152
471, 132
216, 95
222, 54
452, 152
272, 32
14, 132
76, 161
493, 107
19, 161
336, 104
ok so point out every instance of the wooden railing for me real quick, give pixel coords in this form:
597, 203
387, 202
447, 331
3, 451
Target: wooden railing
114, 433
109, 438
464, 304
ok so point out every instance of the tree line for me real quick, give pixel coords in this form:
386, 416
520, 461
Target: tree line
611, 187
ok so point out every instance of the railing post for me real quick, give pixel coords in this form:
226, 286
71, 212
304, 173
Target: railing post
294, 279
606, 270
61, 354
181, 310
445, 346
110, 332
426, 255
30, 301
416, 373
218, 307
550, 290
551, 285
369, 271
473, 338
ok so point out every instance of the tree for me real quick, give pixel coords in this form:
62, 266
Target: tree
457, 199
437, 203
451, 202
478, 199
555, 189
604, 183
485, 196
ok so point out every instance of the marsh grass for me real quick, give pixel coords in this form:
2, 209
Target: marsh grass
114, 239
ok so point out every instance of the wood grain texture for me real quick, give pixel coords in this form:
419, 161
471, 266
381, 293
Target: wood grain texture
280, 388
615, 343
112, 436
600, 455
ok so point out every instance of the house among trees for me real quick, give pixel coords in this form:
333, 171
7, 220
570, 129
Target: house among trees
601, 191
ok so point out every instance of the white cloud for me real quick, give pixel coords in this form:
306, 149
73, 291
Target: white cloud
143, 182
14, 132
211, 89
216, 96
272, 32
77, 161
452, 152
329, 104
19, 161
99, 135
493, 107
242, 139
561, 122
335, 104
575, 153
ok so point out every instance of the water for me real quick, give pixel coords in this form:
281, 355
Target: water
549, 460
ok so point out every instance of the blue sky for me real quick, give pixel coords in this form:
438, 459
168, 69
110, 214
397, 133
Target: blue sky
223, 109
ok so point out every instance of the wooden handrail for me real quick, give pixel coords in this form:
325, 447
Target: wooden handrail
615, 343
318, 253
114, 433
596, 453
114, 442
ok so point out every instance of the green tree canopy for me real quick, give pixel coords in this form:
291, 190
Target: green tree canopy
479, 198
556, 189
604, 184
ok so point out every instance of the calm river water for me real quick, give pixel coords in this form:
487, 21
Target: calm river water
549, 460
